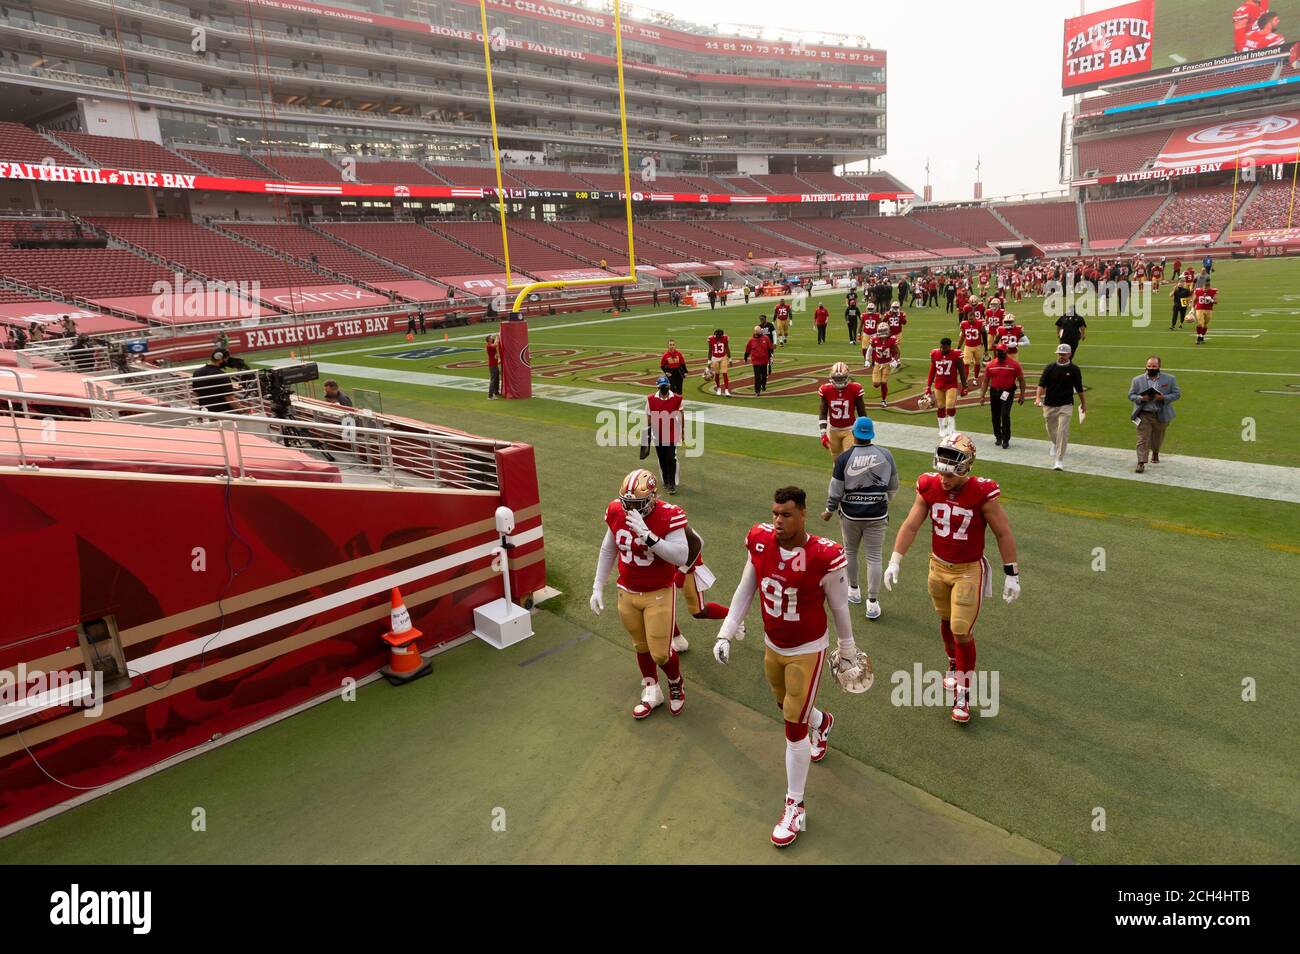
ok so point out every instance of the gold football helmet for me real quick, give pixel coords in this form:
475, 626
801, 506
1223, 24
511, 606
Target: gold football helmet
954, 455
639, 491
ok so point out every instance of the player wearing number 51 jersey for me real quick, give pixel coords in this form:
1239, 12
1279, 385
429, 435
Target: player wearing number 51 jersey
959, 507
648, 538
796, 577
842, 404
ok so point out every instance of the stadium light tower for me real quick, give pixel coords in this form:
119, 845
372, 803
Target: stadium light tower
979, 186
929, 189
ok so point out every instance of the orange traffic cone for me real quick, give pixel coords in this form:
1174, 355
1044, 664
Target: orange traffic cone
445, 336
405, 663
410, 337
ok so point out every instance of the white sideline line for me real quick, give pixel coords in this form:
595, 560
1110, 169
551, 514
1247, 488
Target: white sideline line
1260, 481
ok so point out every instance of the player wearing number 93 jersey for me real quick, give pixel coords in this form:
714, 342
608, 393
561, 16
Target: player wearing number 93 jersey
959, 506
647, 537
796, 576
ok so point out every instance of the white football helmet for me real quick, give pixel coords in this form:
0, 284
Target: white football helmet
954, 455
639, 491
926, 401
1008, 320
883, 330
840, 374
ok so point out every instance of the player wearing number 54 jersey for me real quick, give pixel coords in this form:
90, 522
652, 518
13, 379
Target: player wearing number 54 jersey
648, 538
796, 577
959, 507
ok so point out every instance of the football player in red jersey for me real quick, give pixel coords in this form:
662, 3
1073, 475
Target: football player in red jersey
897, 318
870, 322
842, 404
947, 373
974, 343
781, 313
1203, 301
797, 576
720, 362
1008, 334
648, 538
959, 507
884, 359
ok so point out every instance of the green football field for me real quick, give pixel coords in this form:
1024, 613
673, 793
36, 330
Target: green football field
1143, 676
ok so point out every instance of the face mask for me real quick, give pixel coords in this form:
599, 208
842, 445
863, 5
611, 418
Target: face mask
1153, 372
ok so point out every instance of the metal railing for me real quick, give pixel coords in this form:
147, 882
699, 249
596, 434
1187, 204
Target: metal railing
316, 442
173, 387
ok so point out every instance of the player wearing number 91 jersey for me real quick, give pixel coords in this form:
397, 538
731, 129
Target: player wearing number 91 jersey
647, 536
959, 507
796, 576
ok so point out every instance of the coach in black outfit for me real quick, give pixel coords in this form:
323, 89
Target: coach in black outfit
853, 318
1072, 329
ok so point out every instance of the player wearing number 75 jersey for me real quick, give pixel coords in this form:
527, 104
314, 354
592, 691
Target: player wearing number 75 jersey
648, 537
959, 507
797, 576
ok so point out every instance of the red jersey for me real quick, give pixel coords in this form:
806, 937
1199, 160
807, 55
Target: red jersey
759, 350
781, 312
790, 588
841, 403
1008, 338
957, 517
1203, 298
943, 369
1003, 375
664, 418
672, 359
977, 310
883, 352
820, 315
869, 322
494, 358
896, 321
718, 346
1189, 276
1262, 39
639, 570
994, 315
972, 333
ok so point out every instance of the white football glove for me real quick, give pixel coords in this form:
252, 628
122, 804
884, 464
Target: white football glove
636, 523
597, 600
722, 650
1011, 588
891, 573
893, 365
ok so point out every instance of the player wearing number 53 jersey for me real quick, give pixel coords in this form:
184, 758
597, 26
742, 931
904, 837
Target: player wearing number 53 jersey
959, 507
648, 538
796, 577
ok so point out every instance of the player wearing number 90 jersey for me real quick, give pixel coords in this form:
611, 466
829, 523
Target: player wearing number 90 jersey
647, 536
959, 507
796, 576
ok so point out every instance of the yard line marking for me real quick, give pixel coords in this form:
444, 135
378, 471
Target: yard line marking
1261, 481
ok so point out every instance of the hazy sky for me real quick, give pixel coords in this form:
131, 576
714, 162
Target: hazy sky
966, 78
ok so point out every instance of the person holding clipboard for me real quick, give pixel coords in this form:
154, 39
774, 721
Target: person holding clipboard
1153, 394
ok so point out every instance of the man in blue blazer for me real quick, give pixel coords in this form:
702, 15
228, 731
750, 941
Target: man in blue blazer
1153, 394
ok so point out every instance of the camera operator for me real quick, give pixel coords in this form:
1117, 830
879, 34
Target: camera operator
213, 388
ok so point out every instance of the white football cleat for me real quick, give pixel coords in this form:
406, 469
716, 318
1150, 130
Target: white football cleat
1057, 465
676, 696
855, 595
680, 644
793, 820
727, 392
961, 708
651, 698
718, 391
817, 737
873, 609
950, 677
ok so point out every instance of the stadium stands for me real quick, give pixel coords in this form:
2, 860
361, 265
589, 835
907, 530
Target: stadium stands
745, 185
137, 154
652, 246
1194, 211
1223, 79
611, 242
1125, 97
1118, 153
1117, 220
20, 144
829, 182
395, 172
553, 233
527, 252
1044, 222
302, 243
548, 179
1270, 208
758, 240
88, 272
903, 231
413, 246
474, 177
607, 181
814, 232
300, 168
204, 251
233, 164
783, 184
971, 226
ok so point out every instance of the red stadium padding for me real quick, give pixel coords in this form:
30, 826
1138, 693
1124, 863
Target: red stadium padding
516, 365
323, 298
52, 313
61, 383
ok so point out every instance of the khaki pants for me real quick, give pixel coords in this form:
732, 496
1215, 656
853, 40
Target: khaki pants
1151, 434
1058, 427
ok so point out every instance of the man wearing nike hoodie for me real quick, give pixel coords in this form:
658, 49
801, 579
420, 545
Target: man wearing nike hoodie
862, 484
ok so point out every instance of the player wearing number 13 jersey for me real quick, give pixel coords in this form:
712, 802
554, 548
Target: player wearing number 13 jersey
796, 577
647, 536
959, 507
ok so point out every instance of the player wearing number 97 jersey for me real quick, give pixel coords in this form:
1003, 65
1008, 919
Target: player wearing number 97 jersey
796, 577
648, 538
959, 507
